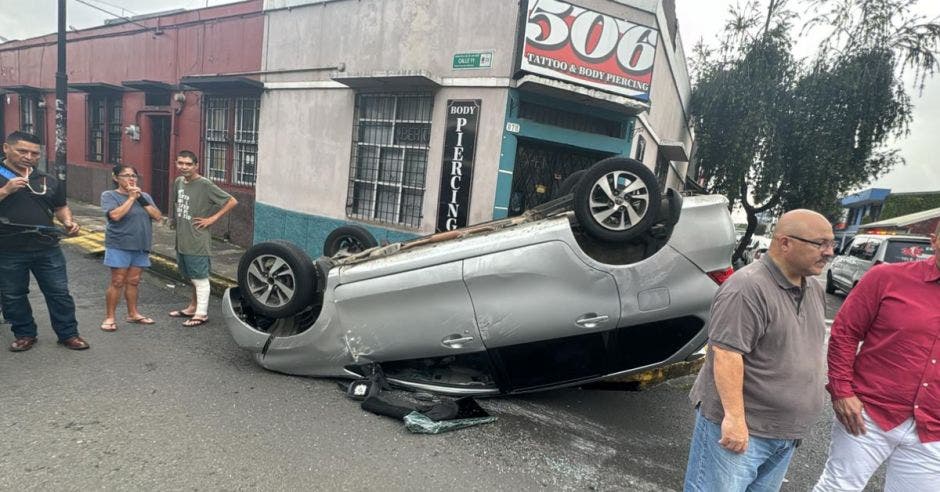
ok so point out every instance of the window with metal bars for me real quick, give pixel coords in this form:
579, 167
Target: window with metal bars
28, 114
391, 135
104, 128
231, 135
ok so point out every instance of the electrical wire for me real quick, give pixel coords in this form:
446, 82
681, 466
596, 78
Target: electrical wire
112, 14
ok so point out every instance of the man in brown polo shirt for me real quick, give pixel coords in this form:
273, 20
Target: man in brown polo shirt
762, 385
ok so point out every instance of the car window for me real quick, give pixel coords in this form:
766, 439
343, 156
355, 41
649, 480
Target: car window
858, 248
900, 251
869, 249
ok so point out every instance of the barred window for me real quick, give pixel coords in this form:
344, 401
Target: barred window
389, 157
231, 133
104, 128
32, 116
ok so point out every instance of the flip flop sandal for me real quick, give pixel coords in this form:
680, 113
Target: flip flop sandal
143, 320
180, 314
194, 322
109, 326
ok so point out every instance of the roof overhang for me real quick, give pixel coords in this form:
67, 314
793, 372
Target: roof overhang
23, 89
674, 151
397, 80
223, 83
581, 94
149, 85
95, 87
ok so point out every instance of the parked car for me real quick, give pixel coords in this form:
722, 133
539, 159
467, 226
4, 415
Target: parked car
756, 248
611, 279
868, 250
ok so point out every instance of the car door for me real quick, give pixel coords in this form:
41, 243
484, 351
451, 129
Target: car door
412, 314
844, 266
864, 259
544, 314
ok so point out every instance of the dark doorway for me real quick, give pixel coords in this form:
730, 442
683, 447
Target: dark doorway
541, 167
160, 161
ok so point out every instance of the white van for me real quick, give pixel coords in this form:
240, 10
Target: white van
868, 250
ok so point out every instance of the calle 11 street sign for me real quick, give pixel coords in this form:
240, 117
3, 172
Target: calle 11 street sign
465, 61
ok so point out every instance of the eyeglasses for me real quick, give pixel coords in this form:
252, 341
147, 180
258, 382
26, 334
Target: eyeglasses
820, 245
128, 176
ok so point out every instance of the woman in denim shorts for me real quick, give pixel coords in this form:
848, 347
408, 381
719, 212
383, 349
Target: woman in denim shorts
128, 237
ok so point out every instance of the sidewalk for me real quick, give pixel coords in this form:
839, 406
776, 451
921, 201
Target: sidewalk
225, 256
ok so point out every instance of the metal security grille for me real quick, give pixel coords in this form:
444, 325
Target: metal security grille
96, 118
28, 114
216, 137
539, 170
115, 132
247, 113
389, 157
570, 120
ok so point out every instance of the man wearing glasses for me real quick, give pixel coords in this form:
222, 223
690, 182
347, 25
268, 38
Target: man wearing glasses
29, 199
761, 387
886, 395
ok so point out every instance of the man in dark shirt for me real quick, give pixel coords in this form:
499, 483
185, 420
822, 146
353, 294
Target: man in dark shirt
761, 387
29, 199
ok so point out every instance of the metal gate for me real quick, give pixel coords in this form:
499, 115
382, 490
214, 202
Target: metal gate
540, 168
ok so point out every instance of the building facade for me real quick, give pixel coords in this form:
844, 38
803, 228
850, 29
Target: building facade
416, 116
142, 90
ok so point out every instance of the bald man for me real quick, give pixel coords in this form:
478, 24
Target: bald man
762, 385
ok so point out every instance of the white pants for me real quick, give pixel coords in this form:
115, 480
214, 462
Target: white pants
912, 465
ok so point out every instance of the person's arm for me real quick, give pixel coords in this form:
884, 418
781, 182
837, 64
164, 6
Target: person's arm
149, 207
12, 186
64, 214
116, 212
206, 222
729, 380
850, 327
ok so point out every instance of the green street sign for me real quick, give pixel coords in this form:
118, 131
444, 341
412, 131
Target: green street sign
469, 61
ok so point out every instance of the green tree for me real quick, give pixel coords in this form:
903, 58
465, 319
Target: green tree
774, 134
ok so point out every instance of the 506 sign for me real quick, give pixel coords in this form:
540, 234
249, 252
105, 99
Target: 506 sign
588, 47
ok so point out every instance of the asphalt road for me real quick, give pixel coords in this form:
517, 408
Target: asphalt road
167, 407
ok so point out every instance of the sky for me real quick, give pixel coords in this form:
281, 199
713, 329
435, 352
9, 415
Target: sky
698, 19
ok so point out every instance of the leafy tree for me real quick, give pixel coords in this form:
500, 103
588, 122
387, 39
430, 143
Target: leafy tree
774, 134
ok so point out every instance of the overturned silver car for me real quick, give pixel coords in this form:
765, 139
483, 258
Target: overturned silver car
612, 278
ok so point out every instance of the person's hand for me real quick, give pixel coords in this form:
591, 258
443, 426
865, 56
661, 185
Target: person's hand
14, 185
71, 228
849, 413
734, 434
203, 222
133, 192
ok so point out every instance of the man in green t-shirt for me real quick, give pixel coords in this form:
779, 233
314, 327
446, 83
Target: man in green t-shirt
198, 203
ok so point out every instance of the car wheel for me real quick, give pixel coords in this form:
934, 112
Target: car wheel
830, 287
348, 239
617, 199
277, 278
569, 183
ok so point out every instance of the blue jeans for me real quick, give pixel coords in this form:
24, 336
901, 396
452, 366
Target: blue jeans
48, 267
761, 467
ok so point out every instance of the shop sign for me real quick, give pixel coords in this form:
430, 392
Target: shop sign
465, 61
571, 43
460, 139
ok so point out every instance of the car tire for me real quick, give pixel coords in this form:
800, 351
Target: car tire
568, 184
617, 199
277, 279
349, 239
830, 286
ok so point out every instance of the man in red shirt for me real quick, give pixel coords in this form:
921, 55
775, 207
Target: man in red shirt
886, 395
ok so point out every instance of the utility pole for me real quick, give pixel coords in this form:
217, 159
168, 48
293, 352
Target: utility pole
61, 101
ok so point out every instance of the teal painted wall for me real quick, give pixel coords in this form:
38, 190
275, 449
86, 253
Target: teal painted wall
537, 131
309, 231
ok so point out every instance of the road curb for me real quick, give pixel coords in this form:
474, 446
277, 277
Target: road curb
92, 243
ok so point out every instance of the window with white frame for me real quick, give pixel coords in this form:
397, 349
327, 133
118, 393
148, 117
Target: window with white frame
389, 158
231, 135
